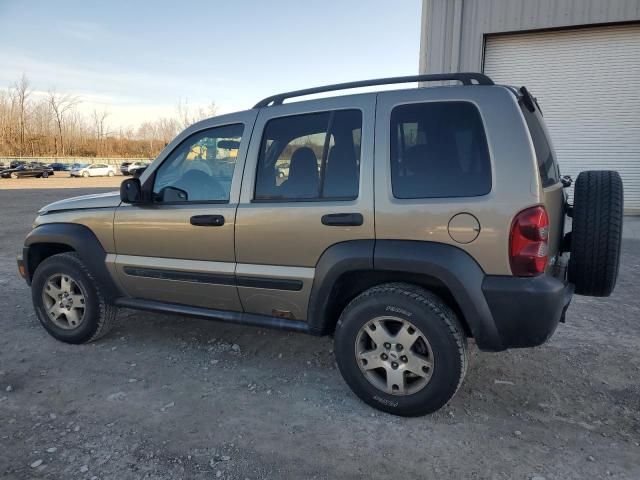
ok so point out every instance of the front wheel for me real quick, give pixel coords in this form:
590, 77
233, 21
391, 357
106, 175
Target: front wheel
45, 175
14, 175
401, 349
68, 300
110, 174
85, 174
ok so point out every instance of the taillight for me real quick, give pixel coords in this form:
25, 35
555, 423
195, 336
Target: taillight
528, 242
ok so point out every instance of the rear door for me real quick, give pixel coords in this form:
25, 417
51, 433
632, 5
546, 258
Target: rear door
308, 184
180, 247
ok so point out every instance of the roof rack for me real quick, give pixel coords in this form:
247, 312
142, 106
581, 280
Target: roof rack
466, 78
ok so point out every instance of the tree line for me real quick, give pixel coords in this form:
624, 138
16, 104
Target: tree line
35, 124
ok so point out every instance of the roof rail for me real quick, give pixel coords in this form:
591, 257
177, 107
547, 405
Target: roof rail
466, 78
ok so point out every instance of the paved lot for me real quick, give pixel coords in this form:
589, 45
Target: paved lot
61, 180
166, 397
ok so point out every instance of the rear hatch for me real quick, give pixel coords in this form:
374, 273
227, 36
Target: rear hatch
553, 194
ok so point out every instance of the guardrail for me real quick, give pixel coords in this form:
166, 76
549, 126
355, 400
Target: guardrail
69, 160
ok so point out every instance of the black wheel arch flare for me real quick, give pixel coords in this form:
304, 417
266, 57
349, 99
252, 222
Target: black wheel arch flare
452, 266
78, 238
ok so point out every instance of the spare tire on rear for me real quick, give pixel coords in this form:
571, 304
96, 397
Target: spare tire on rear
596, 232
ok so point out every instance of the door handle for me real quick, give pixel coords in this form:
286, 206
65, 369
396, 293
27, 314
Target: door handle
207, 220
343, 219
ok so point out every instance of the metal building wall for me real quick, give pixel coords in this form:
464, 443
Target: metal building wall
453, 30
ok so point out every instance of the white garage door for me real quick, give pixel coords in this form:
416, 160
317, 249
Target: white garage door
587, 82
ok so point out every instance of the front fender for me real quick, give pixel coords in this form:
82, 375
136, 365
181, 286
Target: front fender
79, 239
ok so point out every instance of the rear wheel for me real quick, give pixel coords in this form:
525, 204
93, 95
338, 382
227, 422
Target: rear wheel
68, 300
111, 173
596, 233
14, 175
45, 174
401, 349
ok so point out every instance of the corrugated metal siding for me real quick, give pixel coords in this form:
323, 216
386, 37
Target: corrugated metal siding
480, 17
587, 82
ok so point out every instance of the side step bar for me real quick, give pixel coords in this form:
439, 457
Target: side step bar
240, 318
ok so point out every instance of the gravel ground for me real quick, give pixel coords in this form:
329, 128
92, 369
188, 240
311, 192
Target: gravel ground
166, 397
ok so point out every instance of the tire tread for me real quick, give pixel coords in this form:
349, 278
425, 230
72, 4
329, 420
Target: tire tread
597, 232
431, 301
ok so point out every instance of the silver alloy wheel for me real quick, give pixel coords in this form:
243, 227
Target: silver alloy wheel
64, 301
394, 355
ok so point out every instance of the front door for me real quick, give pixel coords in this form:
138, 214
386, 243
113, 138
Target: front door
179, 248
308, 184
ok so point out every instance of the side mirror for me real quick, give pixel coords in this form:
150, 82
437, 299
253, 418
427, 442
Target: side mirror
131, 191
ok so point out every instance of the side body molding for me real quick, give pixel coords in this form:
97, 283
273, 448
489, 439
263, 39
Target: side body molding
456, 269
83, 241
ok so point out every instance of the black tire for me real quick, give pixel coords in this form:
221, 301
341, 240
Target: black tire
596, 237
433, 318
99, 316
45, 174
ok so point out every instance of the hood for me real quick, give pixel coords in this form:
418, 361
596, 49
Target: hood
98, 200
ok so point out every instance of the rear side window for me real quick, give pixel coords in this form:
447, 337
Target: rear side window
313, 156
439, 149
547, 165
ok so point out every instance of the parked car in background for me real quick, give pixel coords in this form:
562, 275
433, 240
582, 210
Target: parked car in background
124, 168
95, 170
137, 168
17, 163
27, 170
127, 167
60, 167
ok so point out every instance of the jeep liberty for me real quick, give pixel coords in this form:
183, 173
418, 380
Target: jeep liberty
401, 222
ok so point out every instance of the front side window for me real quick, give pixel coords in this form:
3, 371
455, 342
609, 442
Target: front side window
201, 168
310, 157
439, 149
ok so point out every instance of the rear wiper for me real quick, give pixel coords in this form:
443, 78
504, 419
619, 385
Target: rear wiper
529, 100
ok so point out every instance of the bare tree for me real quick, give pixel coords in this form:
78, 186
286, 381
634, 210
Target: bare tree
99, 125
61, 105
47, 124
186, 117
22, 92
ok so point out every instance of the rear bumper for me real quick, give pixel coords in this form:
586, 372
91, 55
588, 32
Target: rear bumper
526, 311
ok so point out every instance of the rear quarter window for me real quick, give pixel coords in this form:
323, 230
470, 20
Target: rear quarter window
547, 165
439, 150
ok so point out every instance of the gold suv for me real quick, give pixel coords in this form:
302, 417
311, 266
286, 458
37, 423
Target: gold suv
402, 222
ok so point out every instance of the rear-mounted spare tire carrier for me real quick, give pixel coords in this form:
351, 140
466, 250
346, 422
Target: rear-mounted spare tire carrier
596, 232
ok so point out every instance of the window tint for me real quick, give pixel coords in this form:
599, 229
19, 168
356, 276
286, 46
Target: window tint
311, 156
200, 168
439, 149
547, 166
